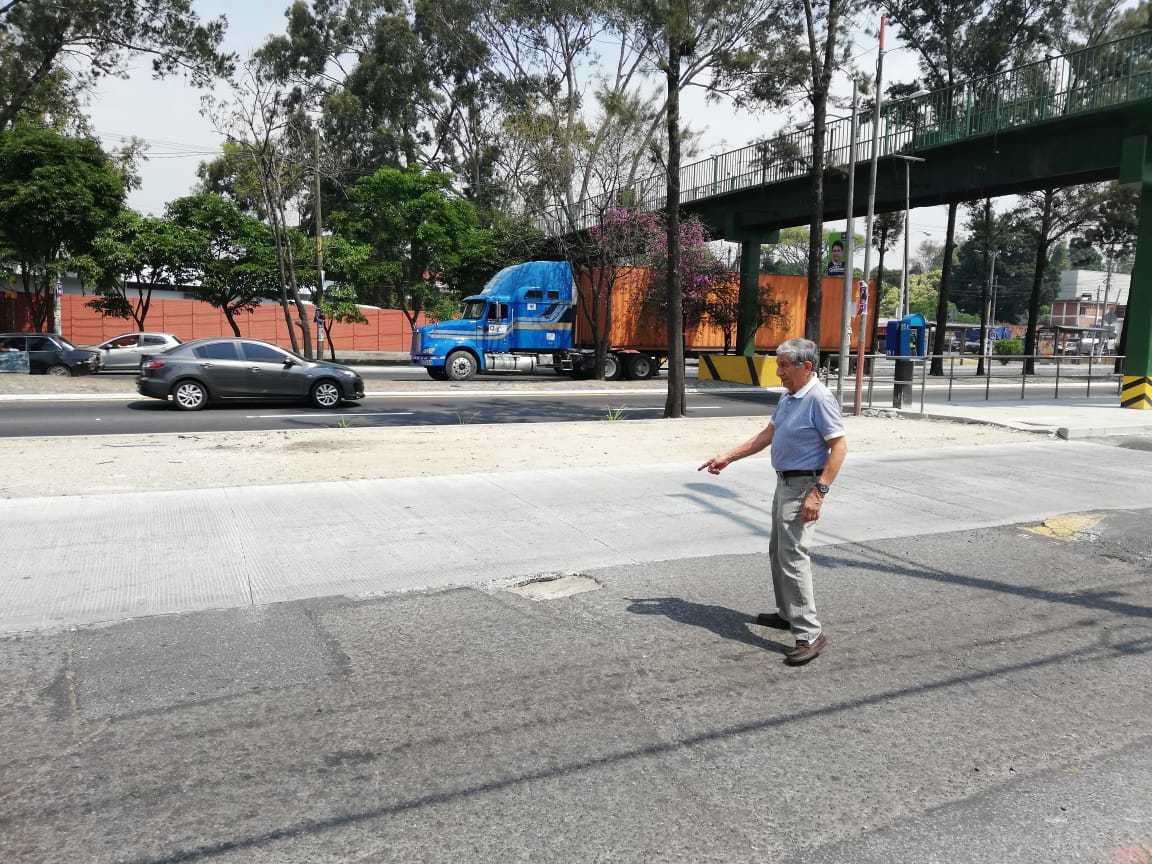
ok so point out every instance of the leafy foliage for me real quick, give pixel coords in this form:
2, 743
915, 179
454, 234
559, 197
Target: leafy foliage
233, 253
143, 251
93, 38
416, 231
56, 195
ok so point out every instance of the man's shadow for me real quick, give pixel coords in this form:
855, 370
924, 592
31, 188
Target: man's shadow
724, 622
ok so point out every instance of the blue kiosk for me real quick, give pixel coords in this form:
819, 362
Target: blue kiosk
906, 341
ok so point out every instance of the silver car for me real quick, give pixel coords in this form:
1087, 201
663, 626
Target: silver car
123, 353
207, 370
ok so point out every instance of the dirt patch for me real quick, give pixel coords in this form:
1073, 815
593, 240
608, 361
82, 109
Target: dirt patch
132, 463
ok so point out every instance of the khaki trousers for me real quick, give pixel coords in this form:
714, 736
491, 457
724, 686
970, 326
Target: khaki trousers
788, 554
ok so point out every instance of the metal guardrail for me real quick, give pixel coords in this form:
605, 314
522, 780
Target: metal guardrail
1100, 76
1054, 376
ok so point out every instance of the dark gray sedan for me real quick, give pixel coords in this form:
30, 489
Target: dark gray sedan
209, 370
49, 354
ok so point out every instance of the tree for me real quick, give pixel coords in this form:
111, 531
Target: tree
1114, 231
790, 255
56, 195
1082, 255
956, 40
621, 238
344, 263
234, 255
723, 307
823, 59
269, 129
93, 38
130, 258
415, 228
395, 83
1046, 217
485, 252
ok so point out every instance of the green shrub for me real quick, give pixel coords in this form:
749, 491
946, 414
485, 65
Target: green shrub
1005, 348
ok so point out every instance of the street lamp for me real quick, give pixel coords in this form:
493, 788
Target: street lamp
901, 306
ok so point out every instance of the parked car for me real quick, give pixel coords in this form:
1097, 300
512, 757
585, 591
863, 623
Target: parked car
49, 354
123, 353
208, 370
1095, 345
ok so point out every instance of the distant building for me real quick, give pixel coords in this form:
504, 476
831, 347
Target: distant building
1091, 298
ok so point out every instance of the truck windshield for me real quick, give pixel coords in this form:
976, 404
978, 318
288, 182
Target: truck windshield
473, 309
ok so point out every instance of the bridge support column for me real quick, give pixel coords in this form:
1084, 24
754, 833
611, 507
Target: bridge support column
748, 306
1136, 389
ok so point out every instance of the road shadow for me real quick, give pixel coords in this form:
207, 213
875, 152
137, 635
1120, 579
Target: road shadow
724, 622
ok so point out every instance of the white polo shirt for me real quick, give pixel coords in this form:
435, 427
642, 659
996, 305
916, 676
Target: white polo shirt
805, 421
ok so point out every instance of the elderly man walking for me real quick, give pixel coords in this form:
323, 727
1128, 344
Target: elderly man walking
806, 433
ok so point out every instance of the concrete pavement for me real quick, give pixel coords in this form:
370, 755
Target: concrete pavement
109, 557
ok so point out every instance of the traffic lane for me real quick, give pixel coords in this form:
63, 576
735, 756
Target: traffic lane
140, 416
356, 707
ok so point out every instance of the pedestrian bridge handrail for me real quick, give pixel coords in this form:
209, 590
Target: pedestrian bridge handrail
1082, 81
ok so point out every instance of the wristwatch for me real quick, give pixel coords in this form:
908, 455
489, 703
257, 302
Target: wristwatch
822, 488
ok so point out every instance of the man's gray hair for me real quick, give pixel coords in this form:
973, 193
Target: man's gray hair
799, 351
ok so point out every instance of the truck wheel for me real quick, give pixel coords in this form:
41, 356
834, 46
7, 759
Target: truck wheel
437, 373
460, 366
613, 368
639, 366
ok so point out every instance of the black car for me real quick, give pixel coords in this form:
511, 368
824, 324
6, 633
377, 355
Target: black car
49, 354
207, 370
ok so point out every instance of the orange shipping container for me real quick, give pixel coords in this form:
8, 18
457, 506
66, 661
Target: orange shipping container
640, 326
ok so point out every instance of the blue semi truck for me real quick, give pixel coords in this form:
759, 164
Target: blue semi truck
525, 318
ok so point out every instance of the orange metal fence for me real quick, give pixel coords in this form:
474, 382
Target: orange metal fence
385, 330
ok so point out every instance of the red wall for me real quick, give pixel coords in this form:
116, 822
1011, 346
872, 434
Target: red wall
386, 330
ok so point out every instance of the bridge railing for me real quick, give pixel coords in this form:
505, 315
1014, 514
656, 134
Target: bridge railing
1082, 81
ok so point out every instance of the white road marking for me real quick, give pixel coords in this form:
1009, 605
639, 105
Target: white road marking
342, 414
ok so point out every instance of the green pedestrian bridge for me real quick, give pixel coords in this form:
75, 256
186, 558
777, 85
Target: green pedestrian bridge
1081, 117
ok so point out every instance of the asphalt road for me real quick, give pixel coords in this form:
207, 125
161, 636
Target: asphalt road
984, 699
137, 415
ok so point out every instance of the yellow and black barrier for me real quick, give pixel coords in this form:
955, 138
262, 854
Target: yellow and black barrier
1136, 392
757, 371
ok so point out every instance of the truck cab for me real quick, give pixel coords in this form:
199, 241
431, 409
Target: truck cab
523, 318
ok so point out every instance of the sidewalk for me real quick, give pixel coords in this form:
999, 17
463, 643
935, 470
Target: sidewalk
1066, 418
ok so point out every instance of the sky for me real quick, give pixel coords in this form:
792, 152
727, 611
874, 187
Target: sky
167, 115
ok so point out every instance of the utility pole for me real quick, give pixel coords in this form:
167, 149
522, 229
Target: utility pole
986, 313
849, 270
856, 407
903, 304
318, 297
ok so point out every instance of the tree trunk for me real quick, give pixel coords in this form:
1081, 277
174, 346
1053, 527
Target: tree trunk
277, 242
231, 316
1038, 283
816, 249
293, 285
939, 339
674, 404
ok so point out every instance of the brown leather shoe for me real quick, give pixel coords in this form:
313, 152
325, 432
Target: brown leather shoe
805, 651
773, 619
